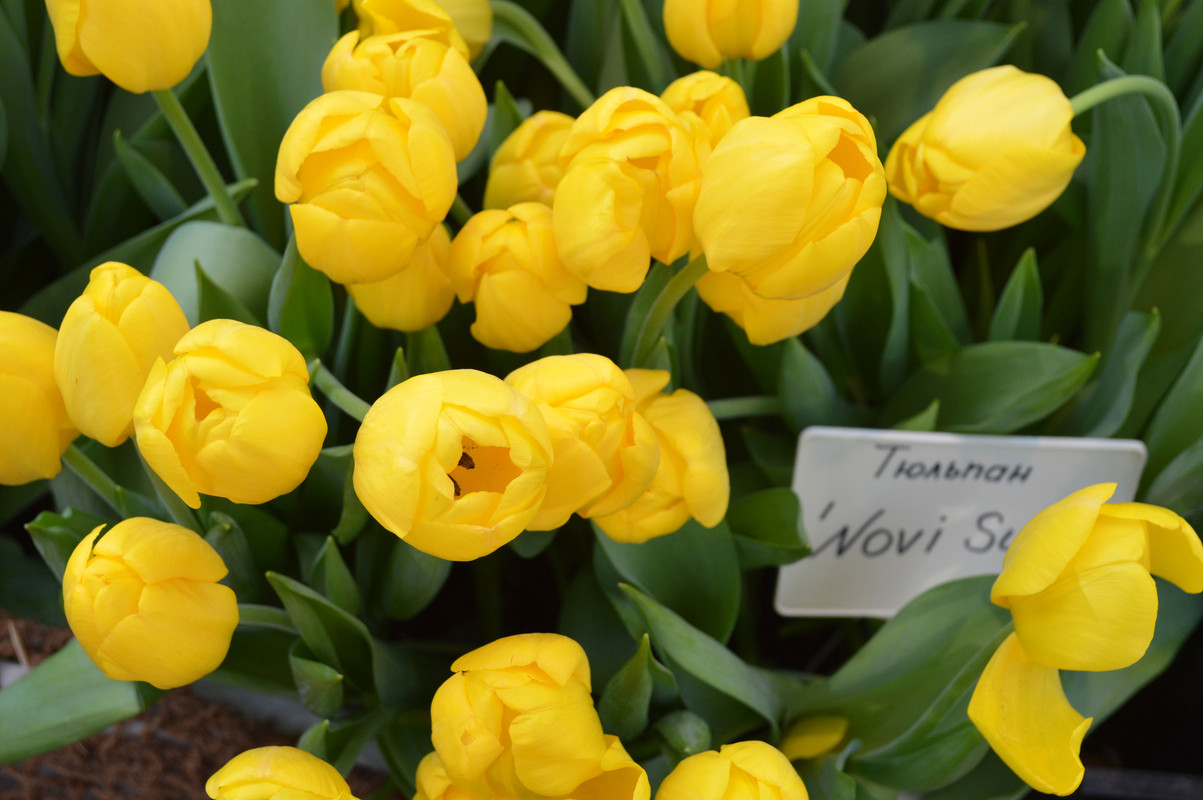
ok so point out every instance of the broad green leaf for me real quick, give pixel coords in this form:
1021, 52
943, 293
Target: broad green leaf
507, 115
683, 734
267, 537
771, 88
28, 589
148, 181
1184, 52
426, 350
1178, 420
64, 699
1179, 486
353, 517
643, 44
333, 578
637, 317
319, 685
236, 260
898, 76
926, 420
808, 394
694, 572
3, 136
404, 742
585, 44
996, 387
590, 617
331, 634
258, 658
214, 302
818, 36
300, 304
931, 270
624, 703
265, 61
825, 780
1106, 30
532, 543
1105, 403
56, 536
1189, 184
340, 742
412, 580
767, 527
514, 24
1018, 313
932, 338
226, 536
774, 455
991, 779
1143, 55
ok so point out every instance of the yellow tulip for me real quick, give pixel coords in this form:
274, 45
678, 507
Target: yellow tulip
740, 771
109, 339
473, 19
1078, 581
718, 101
707, 31
526, 168
369, 177
34, 426
145, 603
995, 151
630, 183
230, 415
455, 463
410, 65
277, 773
384, 17
767, 321
691, 480
790, 203
606, 453
418, 296
811, 737
139, 46
506, 262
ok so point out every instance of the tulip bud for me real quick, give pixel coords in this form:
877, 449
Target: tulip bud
606, 453
384, 17
506, 262
790, 203
740, 771
110, 338
630, 184
691, 480
34, 426
526, 168
718, 101
416, 297
995, 151
455, 463
145, 603
230, 415
767, 321
369, 178
277, 773
811, 737
473, 19
707, 31
139, 46
410, 65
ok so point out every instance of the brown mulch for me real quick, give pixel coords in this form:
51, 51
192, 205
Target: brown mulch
164, 753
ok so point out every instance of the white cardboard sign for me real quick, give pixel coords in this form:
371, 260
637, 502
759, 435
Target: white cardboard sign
890, 514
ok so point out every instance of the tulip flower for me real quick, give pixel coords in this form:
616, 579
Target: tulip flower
707, 31
790, 203
109, 339
410, 65
230, 415
767, 321
718, 101
369, 179
740, 771
995, 151
506, 262
473, 19
811, 737
1078, 581
145, 603
606, 453
691, 479
418, 296
277, 773
34, 426
632, 170
139, 46
384, 17
526, 168
454, 462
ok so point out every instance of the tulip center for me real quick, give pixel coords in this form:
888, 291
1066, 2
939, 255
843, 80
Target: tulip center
482, 469
204, 404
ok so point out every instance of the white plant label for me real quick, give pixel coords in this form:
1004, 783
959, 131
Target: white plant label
890, 514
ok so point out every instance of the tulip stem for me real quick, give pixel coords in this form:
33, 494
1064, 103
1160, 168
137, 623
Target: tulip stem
351, 404
96, 478
514, 24
202, 162
461, 212
662, 308
739, 407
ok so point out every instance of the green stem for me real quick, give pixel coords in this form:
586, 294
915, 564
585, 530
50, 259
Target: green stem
351, 404
662, 308
739, 407
96, 478
202, 162
177, 509
815, 74
515, 24
461, 212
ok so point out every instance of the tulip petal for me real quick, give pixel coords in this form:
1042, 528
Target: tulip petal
767, 766
557, 744
29, 440
466, 727
1021, 709
159, 551
621, 777
1014, 187
813, 736
704, 776
145, 46
1175, 552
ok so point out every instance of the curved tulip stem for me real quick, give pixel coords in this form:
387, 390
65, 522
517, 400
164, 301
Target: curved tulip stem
202, 162
351, 404
96, 478
739, 407
662, 308
514, 24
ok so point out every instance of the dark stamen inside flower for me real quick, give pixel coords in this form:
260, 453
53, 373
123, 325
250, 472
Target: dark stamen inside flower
482, 469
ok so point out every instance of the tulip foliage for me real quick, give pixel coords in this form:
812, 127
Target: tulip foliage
441, 363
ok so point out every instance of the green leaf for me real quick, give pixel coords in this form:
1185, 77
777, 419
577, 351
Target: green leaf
282, 44
532, 543
773, 455
150, 183
1178, 420
637, 317
332, 578
339, 743
687, 649
684, 734
236, 260
820, 34
624, 703
319, 685
3, 136
931, 270
258, 658
1106, 30
353, 517
898, 76
404, 742
226, 536
926, 420
808, 394
590, 617
585, 43
694, 572
1184, 52
825, 780
1018, 313
767, 527
653, 61
1143, 55
268, 540
331, 634
427, 352
930, 334
412, 580
300, 304
28, 589
214, 302
1189, 183
1179, 486
991, 779
64, 699
996, 387
506, 116
56, 536
1105, 403
514, 24
771, 87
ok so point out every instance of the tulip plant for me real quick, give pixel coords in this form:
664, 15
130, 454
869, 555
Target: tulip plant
440, 365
